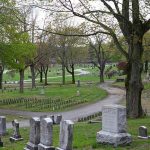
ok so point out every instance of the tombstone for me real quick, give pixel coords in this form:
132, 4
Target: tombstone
66, 135
46, 135
78, 84
58, 119
2, 125
53, 119
44, 116
1, 143
16, 135
143, 133
34, 138
42, 91
78, 93
114, 126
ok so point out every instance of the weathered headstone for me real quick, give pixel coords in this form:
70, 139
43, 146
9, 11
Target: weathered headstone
78, 84
42, 91
16, 135
58, 119
44, 116
46, 135
78, 93
53, 119
143, 132
34, 138
114, 126
1, 143
66, 135
2, 125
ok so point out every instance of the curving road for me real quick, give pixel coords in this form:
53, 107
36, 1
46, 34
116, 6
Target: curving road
115, 95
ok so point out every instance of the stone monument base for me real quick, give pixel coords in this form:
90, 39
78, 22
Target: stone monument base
31, 146
13, 139
1, 144
44, 147
113, 138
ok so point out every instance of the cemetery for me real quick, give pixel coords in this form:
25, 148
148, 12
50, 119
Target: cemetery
74, 75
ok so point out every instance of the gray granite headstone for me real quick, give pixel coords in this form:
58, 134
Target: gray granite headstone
114, 126
53, 118
78, 84
2, 125
46, 135
66, 135
143, 132
34, 138
16, 135
58, 119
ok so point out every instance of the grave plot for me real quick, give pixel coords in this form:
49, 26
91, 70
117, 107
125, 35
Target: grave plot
43, 104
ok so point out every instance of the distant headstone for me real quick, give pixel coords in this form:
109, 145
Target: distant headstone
113, 126
78, 93
58, 119
143, 132
44, 116
46, 135
42, 91
53, 118
78, 84
1, 143
66, 135
2, 125
16, 135
34, 138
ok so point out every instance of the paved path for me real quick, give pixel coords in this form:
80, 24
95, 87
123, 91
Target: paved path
115, 95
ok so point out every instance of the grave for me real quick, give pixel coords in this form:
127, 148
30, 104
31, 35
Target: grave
34, 138
143, 133
58, 119
46, 135
53, 119
66, 135
16, 135
113, 126
2, 125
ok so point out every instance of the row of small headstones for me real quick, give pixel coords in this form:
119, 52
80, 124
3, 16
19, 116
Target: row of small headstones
89, 117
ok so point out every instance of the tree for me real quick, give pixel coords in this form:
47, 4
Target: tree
128, 15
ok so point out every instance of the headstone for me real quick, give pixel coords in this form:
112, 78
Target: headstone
16, 135
78, 93
113, 126
78, 84
42, 91
2, 125
58, 119
53, 119
44, 116
66, 135
46, 135
1, 143
34, 138
143, 132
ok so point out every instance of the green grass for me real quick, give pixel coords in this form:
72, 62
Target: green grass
85, 137
91, 93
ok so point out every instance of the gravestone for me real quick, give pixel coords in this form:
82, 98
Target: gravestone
78, 93
42, 91
143, 133
1, 143
66, 135
43, 116
113, 126
2, 125
53, 119
34, 138
46, 135
58, 119
78, 84
16, 135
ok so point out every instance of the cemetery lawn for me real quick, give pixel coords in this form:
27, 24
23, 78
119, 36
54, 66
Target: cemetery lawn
64, 95
85, 137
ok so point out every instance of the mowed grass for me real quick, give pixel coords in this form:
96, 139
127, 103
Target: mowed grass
91, 93
85, 137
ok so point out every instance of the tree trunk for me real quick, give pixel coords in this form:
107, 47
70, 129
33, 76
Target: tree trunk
45, 72
1, 79
133, 82
101, 76
41, 75
63, 73
21, 72
73, 75
146, 66
33, 75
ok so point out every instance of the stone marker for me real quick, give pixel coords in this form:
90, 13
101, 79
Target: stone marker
1, 143
58, 119
78, 84
42, 91
78, 93
143, 132
16, 135
46, 129
44, 116
113, 126
2, 125
34, 138
66, 135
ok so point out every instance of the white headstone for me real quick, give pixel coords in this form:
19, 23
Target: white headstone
114, 126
